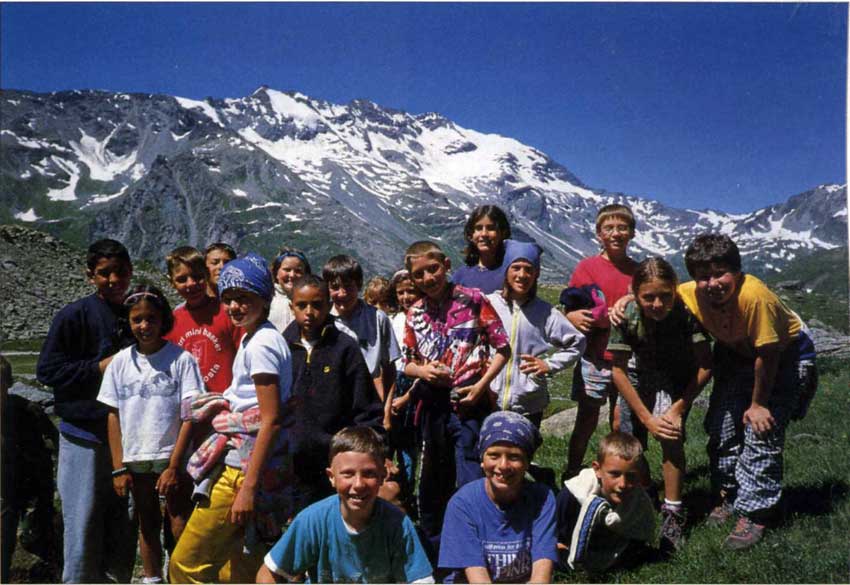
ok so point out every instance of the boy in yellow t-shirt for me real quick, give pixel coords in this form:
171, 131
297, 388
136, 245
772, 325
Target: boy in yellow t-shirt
756, 383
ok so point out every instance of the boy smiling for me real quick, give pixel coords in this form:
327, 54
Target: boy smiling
502, 528
352, 536
201, 324
448, 336
757, 353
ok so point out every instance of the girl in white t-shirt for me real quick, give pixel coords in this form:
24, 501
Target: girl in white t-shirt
144, 386
224, 540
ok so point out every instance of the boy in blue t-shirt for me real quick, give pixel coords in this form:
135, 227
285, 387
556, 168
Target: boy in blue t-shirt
353, 536
501, 529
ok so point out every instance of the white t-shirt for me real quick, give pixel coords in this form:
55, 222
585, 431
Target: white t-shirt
265, 352
147, 391
372, 331
398, 320
280, 312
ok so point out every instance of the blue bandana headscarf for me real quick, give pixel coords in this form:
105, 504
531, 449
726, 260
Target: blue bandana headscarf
509, 427
515, 250
251, 273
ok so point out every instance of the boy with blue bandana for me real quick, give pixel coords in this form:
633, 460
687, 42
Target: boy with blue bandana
501, 529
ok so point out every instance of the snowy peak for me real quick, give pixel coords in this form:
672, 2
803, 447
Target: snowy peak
279, 167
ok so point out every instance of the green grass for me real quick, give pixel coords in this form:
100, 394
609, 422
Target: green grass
22, 364
812, 544
21, 345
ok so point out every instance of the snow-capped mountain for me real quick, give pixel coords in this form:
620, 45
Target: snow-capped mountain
275, 167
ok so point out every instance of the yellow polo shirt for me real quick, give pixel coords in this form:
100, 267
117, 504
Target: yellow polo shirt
754, 317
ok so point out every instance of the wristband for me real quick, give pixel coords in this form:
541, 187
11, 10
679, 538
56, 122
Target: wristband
120, 471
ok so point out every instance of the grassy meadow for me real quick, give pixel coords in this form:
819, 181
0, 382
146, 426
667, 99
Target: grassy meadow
812, 545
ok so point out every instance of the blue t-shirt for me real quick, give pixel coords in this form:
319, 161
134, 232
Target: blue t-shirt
484, 279
318, 541
478, 533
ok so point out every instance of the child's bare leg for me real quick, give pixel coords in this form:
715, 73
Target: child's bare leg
673, 469
178, 506
150, 523
587, 418
614, 416
672, 512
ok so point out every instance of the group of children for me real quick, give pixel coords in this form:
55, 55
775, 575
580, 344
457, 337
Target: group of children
289, 429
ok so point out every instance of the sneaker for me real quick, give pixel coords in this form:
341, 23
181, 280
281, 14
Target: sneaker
745, 534
672, 529
720, 514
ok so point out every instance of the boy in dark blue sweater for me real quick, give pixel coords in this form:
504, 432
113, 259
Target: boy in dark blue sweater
331, 388
99, 538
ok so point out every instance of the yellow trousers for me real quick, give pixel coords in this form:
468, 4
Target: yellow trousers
210, 548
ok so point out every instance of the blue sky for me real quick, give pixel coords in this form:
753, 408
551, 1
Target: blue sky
728, 106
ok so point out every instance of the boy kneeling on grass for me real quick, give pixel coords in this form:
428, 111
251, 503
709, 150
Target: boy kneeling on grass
604, 516
352, 536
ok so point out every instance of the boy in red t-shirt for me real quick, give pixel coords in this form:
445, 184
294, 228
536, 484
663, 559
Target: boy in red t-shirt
612, 272
201, 324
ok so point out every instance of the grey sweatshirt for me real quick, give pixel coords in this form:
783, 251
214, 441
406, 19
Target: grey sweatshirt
535, 328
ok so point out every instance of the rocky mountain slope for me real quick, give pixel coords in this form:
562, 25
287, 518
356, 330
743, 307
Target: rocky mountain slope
40, 274
275, 167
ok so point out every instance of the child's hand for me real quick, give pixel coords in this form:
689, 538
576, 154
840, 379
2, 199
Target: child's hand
582, 319
242, 509
392, 468
436, 373
399, 403
167, 481
673, 416
617, 313
662, 429
533, 366
122, 484
469, 395
759, 418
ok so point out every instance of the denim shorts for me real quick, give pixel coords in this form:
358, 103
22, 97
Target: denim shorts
592, 381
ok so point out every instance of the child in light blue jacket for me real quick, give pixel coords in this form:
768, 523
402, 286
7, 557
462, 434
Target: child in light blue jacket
543, 342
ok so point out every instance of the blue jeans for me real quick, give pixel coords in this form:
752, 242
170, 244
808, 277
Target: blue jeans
100, 533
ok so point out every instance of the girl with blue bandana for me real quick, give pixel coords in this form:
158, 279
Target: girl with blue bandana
543, 342
501, 529
245, 459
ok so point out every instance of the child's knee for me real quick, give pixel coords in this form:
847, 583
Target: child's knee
674, 452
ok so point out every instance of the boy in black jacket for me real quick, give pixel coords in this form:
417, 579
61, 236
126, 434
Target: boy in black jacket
99, 539
331, 390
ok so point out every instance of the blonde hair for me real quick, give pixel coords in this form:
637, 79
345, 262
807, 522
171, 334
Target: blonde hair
623, 212
423, 248
189, 256
621, 445
358, 440
377, 291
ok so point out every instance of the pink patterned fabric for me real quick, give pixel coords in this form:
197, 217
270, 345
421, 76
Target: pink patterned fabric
459, 332
238, 431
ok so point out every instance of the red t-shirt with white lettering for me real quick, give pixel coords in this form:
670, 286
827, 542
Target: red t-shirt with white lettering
210, 336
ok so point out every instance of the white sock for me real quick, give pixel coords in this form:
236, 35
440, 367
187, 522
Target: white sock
673, 505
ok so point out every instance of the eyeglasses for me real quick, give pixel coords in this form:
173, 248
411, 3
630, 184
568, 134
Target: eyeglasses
610, 229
